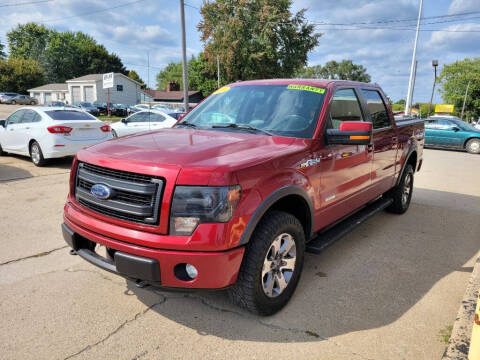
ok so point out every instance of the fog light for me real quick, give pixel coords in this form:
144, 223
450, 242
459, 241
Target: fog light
191, 271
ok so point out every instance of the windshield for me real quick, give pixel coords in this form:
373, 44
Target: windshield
69, 115
282, 110
464, 126
86, 104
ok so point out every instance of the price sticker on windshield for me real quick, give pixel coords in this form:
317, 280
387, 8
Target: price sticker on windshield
222, 90
306, 88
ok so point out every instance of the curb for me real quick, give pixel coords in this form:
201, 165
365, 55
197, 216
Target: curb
459, 343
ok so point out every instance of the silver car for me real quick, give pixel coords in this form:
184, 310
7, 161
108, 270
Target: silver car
21, 100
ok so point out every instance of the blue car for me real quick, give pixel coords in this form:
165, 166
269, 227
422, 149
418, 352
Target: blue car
452, 133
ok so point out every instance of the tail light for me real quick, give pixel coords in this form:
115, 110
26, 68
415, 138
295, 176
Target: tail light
59, 129
106, 128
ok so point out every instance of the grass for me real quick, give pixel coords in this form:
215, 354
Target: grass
109, 119
445, 334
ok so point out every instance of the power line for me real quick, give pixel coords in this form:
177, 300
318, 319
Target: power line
398, 28
25, 3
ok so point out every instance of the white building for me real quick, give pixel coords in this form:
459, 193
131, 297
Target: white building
50, 92
89, 88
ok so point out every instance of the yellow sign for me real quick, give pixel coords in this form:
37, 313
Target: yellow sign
222, 90
444, 108
306, 88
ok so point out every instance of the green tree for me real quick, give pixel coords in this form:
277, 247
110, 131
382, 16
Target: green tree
132, 74
344, 70
2, 53
19, 75
62, 55
454, 79
171, 72
255, 38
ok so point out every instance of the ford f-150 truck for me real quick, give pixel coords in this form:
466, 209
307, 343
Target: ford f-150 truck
242, 186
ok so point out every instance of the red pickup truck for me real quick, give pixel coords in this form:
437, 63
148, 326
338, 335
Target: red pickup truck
242, 186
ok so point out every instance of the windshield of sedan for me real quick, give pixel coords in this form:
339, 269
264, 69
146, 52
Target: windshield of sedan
282, 110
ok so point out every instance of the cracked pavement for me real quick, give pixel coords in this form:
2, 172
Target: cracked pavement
383, 292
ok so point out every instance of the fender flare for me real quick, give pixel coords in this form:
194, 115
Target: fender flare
267, 204
413, 149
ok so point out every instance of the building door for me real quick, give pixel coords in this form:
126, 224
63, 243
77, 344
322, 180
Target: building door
76, 94
48, 97
88, 93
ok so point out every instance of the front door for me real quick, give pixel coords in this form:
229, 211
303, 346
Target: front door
345, 169
13, 132
385, 142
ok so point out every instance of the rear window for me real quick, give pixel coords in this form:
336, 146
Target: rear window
69, 115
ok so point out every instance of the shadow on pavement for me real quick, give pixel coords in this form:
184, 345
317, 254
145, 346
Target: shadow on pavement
16, 167
368, 279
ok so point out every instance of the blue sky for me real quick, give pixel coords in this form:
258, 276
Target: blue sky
153, 27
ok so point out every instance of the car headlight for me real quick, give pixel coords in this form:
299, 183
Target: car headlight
192, 205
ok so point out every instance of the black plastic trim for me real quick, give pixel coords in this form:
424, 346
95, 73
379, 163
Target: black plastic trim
410, 152
268, 202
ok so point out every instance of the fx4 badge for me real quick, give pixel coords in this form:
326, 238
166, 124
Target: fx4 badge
310, 162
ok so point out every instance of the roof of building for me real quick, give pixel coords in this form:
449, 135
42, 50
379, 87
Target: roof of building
168, 95
51, 87
99, 77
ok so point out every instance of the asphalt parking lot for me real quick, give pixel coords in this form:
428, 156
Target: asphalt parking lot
385, 291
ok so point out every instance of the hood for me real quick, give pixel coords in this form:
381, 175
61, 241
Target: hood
202, 150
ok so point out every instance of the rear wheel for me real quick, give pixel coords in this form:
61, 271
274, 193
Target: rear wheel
402, 193
473, 146
36, 154
271, 266
1, 151
32, 103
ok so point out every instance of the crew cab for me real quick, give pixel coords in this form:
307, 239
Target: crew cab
244, 184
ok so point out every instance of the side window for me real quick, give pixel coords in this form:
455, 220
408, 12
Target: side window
431, 124
156, 117
15, 118
445, 125
377, 109
344, 107
140, 117
28, 116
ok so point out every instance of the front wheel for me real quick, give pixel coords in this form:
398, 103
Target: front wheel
13, 102
271, 266
473, 146
114, 134
1, 151
37, 155
32, 103
402, 193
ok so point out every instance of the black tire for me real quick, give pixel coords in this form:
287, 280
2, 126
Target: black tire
32, 103
36, 154
248, 291
114, 134
473, 146
401, 199
1, 151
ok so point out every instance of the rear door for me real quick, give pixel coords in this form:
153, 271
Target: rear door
385, 141
138, 122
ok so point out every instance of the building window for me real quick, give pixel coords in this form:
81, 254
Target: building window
119, 87
61, 96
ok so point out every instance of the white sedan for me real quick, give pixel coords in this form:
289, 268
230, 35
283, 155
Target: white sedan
143, 121
50, 132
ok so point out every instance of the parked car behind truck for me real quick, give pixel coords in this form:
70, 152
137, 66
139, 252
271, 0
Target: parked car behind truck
452, 133
246, 182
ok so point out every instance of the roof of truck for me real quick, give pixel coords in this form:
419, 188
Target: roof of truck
311, 82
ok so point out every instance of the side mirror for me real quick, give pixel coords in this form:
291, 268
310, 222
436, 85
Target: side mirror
2, 123
181, 116
124, 121
455, 128
350, 133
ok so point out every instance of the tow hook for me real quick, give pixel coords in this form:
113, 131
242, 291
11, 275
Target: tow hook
140, 284
73, 252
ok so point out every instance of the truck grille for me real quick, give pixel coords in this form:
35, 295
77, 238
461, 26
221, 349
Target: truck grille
135, 197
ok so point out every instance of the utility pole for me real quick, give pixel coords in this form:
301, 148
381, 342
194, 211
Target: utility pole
184, 57
218, 72
465, 99
148, 69
434, 64
408, 104
414, 79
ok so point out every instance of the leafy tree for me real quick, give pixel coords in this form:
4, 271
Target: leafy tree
19, 75
344, 70
62, 55
255, 38
171, 72
454, 79
132, 74
2, 53
401, 102
398, 107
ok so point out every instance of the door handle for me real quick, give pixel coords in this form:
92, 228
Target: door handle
12, 129
394, 139
27, 128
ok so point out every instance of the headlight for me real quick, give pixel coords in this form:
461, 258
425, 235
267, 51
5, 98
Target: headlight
193, 205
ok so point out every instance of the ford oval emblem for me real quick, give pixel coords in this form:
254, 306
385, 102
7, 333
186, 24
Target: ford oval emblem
101, 191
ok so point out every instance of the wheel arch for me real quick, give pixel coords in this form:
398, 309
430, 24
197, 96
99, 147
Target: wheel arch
468, 139
291, 199
411, 158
